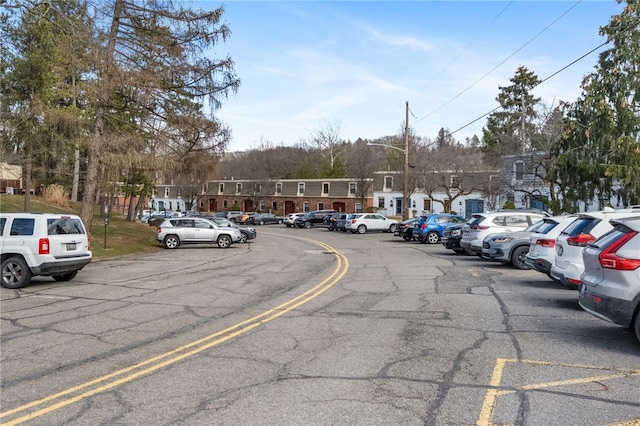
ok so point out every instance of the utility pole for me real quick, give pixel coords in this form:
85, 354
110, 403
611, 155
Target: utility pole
405, 174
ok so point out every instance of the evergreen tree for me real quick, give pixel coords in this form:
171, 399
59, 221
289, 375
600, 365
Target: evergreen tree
509, 130
600, 152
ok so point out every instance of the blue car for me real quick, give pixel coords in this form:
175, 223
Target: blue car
429, 229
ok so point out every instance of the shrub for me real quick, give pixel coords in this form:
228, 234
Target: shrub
57, 195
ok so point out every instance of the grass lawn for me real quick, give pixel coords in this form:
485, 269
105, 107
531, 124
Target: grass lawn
122, 237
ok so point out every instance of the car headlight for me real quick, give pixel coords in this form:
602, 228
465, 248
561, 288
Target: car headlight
501, 239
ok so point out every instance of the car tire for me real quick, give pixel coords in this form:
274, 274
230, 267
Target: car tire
392, 227
407, 237
224, 241
421, 240
307, 225
65, 277
636, 325
433, 237
362, 229
261, 222
517, 257
171, 241
279, 221
15, 273
288, 225
459, 251
244, 237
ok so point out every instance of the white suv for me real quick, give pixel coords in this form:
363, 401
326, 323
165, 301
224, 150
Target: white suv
44, 244
483, 224
568, 263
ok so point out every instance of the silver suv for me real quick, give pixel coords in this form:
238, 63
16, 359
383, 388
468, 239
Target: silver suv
610, 286
483, 224
45, 244
196, 230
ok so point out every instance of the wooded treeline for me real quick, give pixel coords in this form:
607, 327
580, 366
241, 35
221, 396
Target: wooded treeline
115, 96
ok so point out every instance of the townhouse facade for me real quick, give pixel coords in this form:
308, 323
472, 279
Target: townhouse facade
284, 196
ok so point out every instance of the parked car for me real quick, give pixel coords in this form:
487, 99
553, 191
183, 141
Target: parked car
290, 218
542, 243
265, 219
405, 229
233, 215
509, 247
156, 218
568, 264
482, 224
174, 232
451, 237
337, 222
429, 228
363, 222
610, 286
248, 232
244, 217
311, 218
31, 244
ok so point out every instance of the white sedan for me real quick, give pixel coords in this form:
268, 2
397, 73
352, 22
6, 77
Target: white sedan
363, 222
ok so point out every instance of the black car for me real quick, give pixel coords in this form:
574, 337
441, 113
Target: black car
336, 221
405, 229
312, 218
264, 219
451, 237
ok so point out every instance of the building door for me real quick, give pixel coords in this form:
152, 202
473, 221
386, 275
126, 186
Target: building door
213, 205
399, 206
473, 206
289, 207
339, 206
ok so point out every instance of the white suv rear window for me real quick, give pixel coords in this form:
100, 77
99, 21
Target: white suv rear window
63, 226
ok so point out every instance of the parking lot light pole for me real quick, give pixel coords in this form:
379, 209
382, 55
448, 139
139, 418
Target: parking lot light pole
405, 172
405, 169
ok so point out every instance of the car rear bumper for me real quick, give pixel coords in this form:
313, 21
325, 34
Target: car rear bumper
467, 245
617, 311
540, 265
450, 243
61, 267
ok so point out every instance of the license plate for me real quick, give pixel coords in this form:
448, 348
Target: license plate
71, 246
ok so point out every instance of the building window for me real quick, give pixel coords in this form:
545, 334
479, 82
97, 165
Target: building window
426, 204
274, 205
381, 202
166, 193
301, 189
320, 206
519, 170
455, 182
305, 206
238, 188
257, 188
353, 188
325, 188
278, 188
263, 205
358, 207
224, 204
388, 183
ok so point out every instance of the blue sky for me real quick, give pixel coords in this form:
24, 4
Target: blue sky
304, 64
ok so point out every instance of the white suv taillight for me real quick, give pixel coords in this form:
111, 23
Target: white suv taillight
43, 246
610, 260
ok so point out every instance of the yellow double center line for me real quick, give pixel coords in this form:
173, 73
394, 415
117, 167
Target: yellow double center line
109, 381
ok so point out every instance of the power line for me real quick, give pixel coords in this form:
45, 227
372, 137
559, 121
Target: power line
541, 81
500, 64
